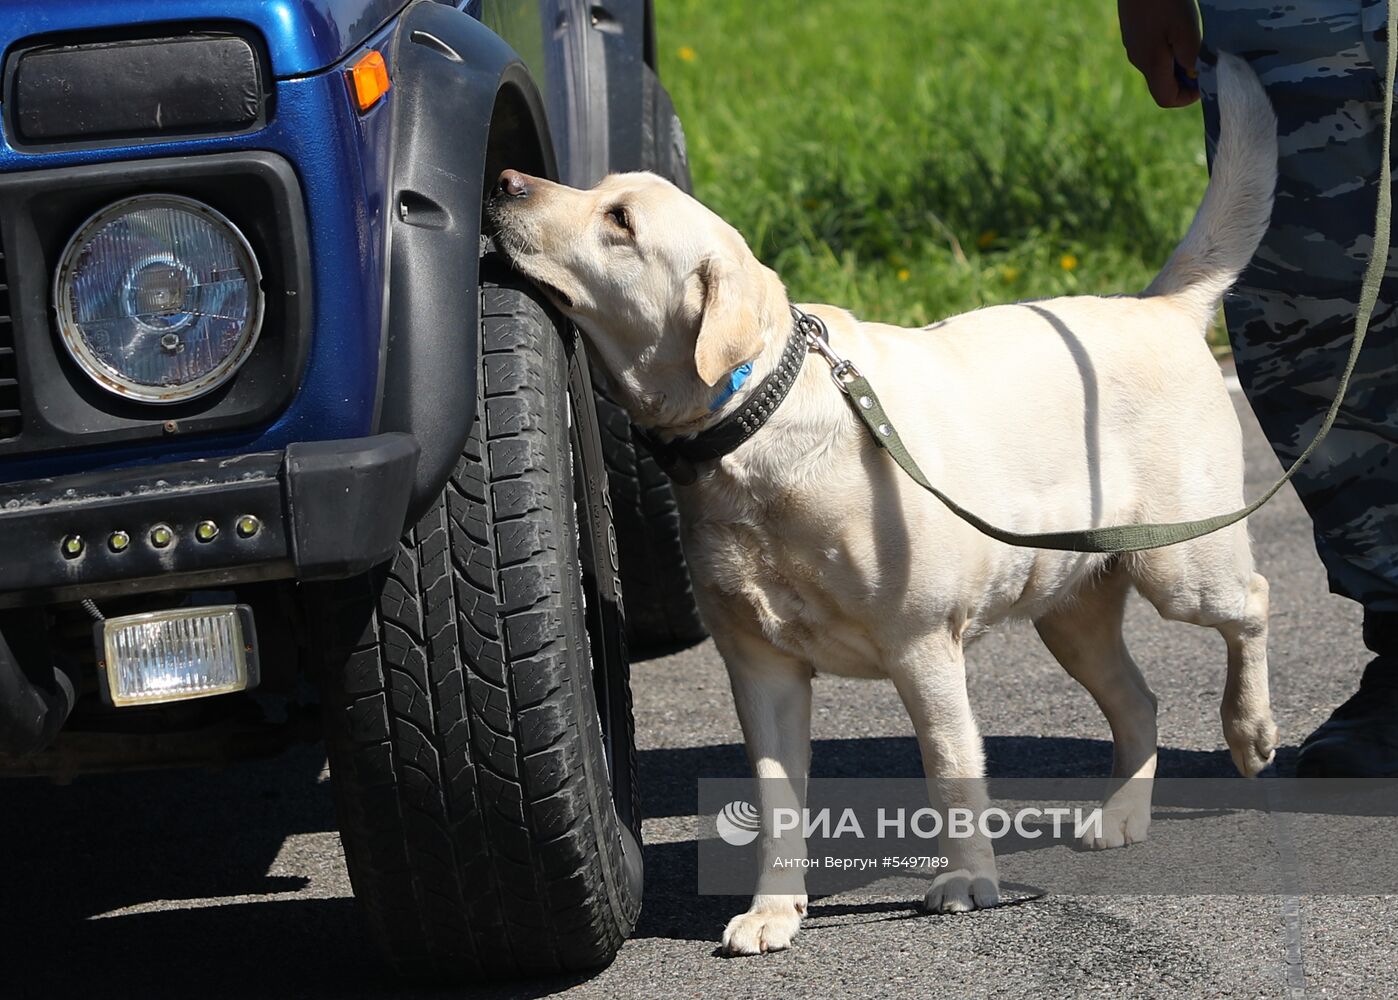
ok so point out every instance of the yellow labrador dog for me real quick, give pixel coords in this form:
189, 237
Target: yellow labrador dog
812, 552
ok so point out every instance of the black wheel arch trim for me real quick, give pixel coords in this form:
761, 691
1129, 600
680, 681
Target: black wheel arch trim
461, 95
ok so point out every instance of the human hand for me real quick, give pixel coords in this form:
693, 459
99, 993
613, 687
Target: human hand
1161, 38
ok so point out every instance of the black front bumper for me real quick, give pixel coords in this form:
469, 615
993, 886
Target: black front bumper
324, 510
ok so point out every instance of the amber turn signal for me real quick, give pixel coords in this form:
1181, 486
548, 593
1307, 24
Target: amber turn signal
368, 79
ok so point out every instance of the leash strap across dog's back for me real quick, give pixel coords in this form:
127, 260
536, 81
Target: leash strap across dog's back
1136, 537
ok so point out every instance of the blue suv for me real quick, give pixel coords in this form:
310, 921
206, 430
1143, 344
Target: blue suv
288, 453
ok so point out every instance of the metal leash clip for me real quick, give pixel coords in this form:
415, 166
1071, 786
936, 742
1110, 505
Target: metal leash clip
842, 372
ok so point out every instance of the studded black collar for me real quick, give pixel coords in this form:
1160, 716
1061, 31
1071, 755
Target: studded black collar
680, 456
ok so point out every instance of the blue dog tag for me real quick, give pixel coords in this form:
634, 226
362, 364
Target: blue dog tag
736, 378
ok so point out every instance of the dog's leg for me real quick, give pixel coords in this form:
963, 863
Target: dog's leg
1247, 707
1085, 637
932, 683
773, 696
1210, 582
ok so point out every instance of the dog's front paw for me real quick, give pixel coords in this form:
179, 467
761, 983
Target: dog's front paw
768, 927
960, 892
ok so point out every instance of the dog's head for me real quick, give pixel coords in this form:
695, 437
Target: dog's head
668, 295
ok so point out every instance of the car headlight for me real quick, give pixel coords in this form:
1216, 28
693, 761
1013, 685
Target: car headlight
159, 298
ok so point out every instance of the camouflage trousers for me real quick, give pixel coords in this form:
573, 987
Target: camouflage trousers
1291, 316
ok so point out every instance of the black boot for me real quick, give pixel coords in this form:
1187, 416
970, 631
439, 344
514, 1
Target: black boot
1360, 739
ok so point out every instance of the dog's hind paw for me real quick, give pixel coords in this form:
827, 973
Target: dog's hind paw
761, 930
1252, 743
960, 892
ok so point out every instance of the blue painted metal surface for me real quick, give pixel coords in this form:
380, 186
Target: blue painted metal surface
303, 36
341, 159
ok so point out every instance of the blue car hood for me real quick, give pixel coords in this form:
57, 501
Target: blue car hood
303, 36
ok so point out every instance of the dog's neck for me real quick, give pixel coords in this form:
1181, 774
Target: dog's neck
797, 437
699, 407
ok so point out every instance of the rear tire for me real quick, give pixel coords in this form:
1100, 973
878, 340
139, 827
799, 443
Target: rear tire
662, 617
477, 706
663, 147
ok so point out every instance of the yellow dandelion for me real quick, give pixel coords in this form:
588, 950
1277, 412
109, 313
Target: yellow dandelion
904, 274
686, 53
1009, 274
985, 239
1068, 262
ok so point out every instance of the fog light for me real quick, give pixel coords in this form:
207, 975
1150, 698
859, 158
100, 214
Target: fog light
176, 655
206, 531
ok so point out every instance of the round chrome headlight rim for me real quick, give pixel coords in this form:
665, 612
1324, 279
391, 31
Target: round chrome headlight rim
102, 374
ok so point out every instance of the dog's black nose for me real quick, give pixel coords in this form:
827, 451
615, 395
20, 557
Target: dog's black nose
513, 184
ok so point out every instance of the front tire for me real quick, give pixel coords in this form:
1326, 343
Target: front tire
477, 706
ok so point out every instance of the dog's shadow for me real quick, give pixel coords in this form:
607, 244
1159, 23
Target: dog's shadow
668, 777
674, 910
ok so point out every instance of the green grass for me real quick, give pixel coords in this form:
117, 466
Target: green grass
910, 160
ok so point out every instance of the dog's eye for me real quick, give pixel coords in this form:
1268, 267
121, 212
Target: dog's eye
619, 216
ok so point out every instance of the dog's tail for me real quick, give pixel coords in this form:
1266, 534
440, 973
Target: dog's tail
1237, 206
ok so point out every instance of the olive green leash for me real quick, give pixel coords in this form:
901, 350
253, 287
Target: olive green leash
1134, 537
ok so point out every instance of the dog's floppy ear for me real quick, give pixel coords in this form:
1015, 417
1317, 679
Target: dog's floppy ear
732, 321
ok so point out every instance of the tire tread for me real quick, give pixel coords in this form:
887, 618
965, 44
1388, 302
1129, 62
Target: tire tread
458, 733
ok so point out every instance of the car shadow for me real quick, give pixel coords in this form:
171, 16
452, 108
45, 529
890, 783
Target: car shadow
169, 884
157, 885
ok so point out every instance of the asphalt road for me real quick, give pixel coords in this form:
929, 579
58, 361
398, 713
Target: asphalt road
232, 883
